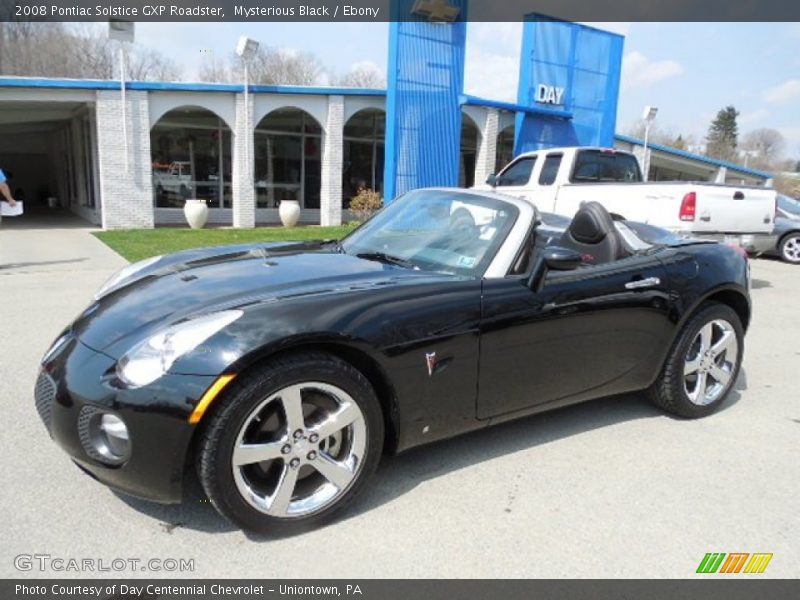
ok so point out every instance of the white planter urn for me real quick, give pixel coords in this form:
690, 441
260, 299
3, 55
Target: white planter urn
289, 211
196, 212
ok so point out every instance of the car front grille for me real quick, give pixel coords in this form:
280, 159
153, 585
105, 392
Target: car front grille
45, 394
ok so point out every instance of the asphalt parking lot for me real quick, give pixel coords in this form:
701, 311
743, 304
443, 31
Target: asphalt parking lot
612, 488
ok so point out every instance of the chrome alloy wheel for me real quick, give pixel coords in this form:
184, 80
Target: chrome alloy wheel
791, 249
710, 362
299, 450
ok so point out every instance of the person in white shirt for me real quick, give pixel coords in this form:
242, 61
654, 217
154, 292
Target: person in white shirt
5, 191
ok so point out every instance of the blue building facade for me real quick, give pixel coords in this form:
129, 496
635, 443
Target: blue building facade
568, 92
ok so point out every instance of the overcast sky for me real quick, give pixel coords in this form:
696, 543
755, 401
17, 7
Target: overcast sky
688, 70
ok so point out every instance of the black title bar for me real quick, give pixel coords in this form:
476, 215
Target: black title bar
381, 10
743, 587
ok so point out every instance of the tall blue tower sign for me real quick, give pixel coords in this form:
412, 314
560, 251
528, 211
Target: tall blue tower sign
425, 80
572, 71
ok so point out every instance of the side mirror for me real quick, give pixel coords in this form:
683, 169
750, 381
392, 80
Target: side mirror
562, 259
492, 180
553, 258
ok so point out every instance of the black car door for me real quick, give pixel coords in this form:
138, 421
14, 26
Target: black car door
594, 331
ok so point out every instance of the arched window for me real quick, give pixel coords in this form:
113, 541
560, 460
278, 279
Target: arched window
363, 156
469, 151
505, 148
191, 158
287, 161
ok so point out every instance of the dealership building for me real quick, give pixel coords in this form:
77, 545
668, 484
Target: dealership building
72, 143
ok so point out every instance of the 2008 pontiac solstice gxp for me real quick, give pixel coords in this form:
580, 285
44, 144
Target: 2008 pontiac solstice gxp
282, 371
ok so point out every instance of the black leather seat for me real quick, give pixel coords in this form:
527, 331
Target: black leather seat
592, 233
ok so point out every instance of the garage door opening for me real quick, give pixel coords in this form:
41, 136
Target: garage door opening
48, 152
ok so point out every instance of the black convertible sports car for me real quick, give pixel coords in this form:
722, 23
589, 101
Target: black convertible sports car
282, 372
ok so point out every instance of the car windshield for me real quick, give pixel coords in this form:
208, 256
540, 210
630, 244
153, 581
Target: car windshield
436, 230
788, 205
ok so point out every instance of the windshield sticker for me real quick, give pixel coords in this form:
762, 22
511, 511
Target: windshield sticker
466, 261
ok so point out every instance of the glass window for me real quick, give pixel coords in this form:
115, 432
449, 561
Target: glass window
550, 169
605, 165
363, 153
469, 152
436, 230
287, 166
517, 173
191, 158
505, 148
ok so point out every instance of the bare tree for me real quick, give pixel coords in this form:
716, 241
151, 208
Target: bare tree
363, 75
215, 70
285, 66
56, 50
270, 66
766, 146
661, 136
149, 65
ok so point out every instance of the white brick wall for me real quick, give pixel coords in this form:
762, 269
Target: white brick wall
487, 151
332, 157
126, 193
243, 188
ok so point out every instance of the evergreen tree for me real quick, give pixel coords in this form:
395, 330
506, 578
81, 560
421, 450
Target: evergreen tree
723, 134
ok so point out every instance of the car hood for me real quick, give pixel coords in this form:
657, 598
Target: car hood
187, 284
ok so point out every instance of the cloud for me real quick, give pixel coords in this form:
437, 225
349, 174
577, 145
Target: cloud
753, 117
620, 27
491, 75
639, 71
367, 65
783, 93
505, 36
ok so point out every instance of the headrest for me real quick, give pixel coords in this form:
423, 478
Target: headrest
591, 224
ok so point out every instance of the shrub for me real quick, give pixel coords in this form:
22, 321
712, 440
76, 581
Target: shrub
365, 204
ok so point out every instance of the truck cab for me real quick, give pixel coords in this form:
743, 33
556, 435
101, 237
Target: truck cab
560, 180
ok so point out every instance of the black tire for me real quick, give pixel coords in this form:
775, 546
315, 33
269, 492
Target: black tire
669, 390
248, 391
789, 248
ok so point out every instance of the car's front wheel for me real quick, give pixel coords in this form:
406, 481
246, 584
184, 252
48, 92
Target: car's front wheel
790, 248
293, 444
703, 364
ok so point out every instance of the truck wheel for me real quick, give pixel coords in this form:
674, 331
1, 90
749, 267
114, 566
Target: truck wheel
790, 248
293, 444
703, 364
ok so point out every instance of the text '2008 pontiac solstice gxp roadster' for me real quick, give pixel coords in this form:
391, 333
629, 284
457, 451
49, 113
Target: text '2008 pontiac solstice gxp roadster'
281, 372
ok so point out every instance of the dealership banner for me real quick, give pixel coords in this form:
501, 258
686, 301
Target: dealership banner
402, 589
381, 10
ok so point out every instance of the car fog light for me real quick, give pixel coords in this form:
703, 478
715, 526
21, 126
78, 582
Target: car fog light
116, 434
104, 436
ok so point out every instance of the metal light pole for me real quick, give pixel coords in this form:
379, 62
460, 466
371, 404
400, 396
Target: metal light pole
123, 32
246, 49
648, 116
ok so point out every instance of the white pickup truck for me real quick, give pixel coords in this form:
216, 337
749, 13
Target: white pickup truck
558, 180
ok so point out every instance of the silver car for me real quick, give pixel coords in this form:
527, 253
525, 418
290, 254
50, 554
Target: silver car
787, 230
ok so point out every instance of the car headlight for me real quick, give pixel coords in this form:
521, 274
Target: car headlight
123, 274
151, 358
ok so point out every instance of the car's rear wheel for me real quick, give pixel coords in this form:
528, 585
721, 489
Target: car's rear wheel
703, 364
293, 444
790, 248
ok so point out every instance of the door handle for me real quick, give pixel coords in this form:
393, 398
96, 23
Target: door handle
643, 283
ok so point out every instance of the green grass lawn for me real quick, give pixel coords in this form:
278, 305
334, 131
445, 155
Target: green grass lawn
136, 244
